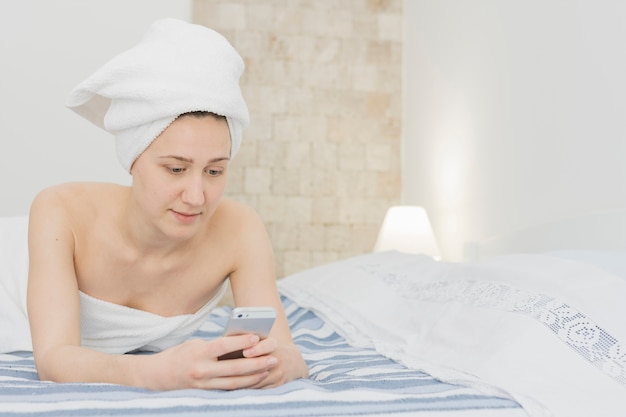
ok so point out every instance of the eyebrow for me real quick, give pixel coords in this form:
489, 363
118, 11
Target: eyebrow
190, 161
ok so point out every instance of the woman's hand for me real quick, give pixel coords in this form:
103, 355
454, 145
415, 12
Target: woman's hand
195, 364
289, 363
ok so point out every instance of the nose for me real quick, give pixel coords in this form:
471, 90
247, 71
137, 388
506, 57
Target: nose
193, 191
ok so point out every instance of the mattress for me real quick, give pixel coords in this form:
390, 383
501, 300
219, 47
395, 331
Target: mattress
344, 380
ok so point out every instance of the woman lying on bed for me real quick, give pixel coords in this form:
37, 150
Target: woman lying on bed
117, 269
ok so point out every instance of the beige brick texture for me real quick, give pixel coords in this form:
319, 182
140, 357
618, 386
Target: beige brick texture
320, 161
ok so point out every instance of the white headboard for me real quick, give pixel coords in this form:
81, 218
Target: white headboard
603, 230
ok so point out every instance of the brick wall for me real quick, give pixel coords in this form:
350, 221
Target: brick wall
320, 161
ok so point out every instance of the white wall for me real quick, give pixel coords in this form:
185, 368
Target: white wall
515, 113
48, 47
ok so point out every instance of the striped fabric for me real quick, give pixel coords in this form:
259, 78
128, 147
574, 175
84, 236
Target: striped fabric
344, 380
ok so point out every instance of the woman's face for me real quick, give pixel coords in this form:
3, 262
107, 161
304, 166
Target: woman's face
179, 179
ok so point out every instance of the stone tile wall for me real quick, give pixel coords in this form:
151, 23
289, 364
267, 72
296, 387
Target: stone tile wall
320, 161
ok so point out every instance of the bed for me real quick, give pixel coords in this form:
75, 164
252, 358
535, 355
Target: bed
517, 334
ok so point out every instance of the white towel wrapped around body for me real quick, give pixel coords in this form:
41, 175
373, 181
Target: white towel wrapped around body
177, 67
113, 328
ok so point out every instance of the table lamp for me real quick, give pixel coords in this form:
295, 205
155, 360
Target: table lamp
407, 229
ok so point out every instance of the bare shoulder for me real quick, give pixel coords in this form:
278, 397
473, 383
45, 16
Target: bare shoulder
73, 205
240, 228
72, 202
237, 214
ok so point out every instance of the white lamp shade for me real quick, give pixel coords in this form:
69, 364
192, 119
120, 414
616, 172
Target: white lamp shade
407, 229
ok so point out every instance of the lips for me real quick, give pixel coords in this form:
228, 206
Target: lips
186, 218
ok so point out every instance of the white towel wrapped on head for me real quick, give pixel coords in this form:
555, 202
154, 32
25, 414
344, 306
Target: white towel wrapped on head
177, 67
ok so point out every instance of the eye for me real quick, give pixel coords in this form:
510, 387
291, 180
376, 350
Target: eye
176, 170
214, 172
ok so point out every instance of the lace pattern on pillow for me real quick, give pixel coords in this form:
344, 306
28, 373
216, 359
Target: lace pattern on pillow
571, 326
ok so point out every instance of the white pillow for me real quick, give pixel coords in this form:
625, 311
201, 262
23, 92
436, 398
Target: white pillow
547, 332
611, 261
14, 327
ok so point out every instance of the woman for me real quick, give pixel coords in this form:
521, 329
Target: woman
115, 269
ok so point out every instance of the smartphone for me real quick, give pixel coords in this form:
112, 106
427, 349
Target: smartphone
256, 320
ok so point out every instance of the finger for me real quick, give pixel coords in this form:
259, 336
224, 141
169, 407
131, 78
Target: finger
274, 378
240, 367
234, 373
264, 347
235, 382
228, 344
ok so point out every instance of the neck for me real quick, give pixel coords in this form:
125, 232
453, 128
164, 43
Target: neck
147, 237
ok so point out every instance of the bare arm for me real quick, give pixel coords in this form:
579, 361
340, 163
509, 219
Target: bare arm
54, 314
53, 306
254, 284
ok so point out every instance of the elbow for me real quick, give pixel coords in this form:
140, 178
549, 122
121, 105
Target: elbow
43, 371
45, 364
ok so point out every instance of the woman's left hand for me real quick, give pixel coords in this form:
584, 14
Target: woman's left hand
289, 366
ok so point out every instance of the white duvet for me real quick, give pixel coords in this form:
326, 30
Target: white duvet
547, 332
14, 327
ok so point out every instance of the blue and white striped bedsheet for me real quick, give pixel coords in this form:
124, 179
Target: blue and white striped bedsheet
344, 380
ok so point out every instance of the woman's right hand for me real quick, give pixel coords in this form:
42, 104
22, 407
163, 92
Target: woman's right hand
195, 364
